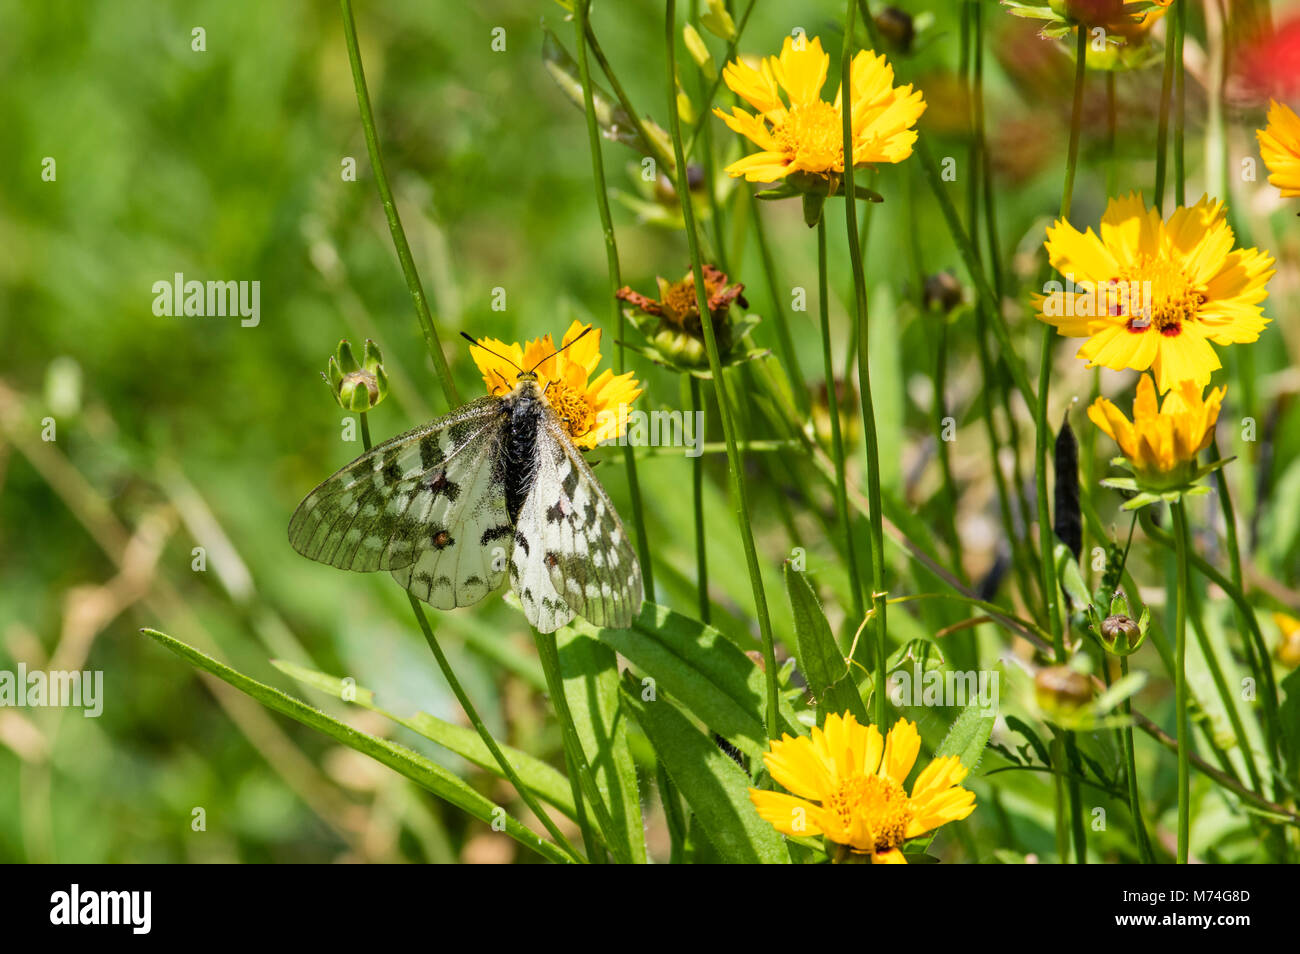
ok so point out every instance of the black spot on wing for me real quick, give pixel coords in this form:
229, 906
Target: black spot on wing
440, 486
497, 533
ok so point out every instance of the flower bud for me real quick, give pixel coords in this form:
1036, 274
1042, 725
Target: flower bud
1112, 627
357, 386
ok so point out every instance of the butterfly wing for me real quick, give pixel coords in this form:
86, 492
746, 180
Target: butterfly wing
420, 505
572, 555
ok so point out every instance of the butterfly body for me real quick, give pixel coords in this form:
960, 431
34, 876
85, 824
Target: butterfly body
495, 489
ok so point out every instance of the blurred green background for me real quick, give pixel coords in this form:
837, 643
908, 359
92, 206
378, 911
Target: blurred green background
175, 433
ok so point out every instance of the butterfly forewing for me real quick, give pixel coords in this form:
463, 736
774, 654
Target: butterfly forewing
383, 510
572, 554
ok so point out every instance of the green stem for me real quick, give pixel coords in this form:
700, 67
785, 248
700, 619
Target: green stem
662, 159
1112, 164
871, 440
706, 107
549, 653
837, 440
390, 211
595, 848
477, 722
949, 516
1076, 799
734, 461
1257, 665
1130, 772
1180, 106
970, 258
615, 283
1225, 695
472, 713
1180, 681
1247, 613
1046, 536
365, 429
784, 341
1162, 126
697, 496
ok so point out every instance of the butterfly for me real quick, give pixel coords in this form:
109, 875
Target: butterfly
496, 488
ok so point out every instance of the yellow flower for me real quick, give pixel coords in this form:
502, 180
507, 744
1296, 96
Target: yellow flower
1162, 444
591, 410
1279, 145
807, 134
1288, 651
1153, 294
847, 784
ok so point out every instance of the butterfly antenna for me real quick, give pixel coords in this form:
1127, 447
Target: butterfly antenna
558, 350
478, 344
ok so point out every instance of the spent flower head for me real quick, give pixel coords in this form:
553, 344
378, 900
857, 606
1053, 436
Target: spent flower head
357, 386
672, 328
846, 784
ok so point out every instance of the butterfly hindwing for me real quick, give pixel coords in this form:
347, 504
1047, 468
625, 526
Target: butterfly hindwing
383, 510
469, 540
572, 555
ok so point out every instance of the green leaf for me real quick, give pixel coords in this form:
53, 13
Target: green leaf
966, 739
1071, 578
1015, 724
547, 783
701, 669
820, 659
715, 787
416, 767
590, 672
613, 120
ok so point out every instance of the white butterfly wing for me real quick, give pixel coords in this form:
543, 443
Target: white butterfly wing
428, 505
572, 555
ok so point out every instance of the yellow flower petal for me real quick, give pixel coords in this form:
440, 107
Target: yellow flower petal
787, 814
902, 745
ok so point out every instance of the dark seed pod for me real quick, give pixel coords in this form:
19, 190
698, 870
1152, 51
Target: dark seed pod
987, 588
896, 27
1069, 518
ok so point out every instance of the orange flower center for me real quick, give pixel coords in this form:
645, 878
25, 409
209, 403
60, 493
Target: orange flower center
1160, 296
680, 298
814, 136
573, 409
879, 803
